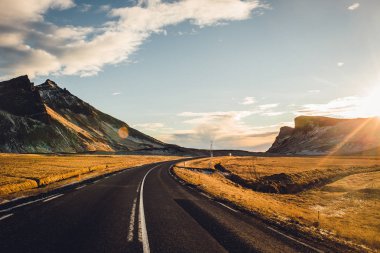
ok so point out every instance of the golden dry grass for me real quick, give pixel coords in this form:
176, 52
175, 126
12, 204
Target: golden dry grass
21, 172
246, 166
349, 208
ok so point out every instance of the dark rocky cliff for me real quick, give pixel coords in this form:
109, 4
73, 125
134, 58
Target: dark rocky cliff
314, 135
21, 98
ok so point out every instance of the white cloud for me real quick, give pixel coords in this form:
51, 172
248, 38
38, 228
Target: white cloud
15, 13
227, 129
104, 8
268, 106
353, 6
314, 91
248, 101
342, 107
152, 126
75, 50
340, 64
116, 93
271, 114
85, 7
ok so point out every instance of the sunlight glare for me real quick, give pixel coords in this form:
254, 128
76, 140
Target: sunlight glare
371, 104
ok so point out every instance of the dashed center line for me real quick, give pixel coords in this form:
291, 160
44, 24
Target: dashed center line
80, 187
6, 216
234, 210
51, 198
24, 204
132, 222
207, 196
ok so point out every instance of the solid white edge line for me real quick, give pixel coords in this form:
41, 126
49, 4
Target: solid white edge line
96, 181
144, 233
6, 216
293, 239
54, 197
138, 188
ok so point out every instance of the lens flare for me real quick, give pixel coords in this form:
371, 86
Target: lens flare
123, 132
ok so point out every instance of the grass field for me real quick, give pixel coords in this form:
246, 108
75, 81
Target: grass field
348, 205
19, 173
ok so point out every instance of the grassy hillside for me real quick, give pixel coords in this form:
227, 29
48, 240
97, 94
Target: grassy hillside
347, 206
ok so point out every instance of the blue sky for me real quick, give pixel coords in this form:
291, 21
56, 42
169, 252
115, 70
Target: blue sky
190, 71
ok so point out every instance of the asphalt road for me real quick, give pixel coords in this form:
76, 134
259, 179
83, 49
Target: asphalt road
138, 210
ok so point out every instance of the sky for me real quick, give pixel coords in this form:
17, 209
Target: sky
193, 71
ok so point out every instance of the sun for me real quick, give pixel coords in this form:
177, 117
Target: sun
370, 106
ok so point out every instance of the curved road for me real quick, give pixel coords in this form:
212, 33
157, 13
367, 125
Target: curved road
138, 210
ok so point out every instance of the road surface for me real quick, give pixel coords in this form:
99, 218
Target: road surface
138, 210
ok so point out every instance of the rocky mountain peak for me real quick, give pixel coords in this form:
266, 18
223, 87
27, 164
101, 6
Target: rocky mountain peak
47, 118
49, 84
20, 97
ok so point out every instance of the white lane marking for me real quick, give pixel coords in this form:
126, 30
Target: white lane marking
80, 187
132, 222
138, 188
107, 176
207, 196
140, 230
142, 223
293, 239
95, 181
24, 204
234, 210
54, 197
6, 216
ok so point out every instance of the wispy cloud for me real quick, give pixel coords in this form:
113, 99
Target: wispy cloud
228, 129
248, 101
104, 8
342, 107
43, 48
152, 126
268, 106
314, 91
85, 7
271, 114
116, 93
353, 6
340, 64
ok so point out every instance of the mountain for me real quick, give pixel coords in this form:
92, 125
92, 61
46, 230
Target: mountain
315, 135
47, 119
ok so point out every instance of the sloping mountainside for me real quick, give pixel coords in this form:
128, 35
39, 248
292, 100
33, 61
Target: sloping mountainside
46, 119
314, 135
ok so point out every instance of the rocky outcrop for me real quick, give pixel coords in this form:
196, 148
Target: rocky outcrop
313, 135
21, 98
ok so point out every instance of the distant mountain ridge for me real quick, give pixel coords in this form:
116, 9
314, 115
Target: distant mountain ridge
316, 135
47, 119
